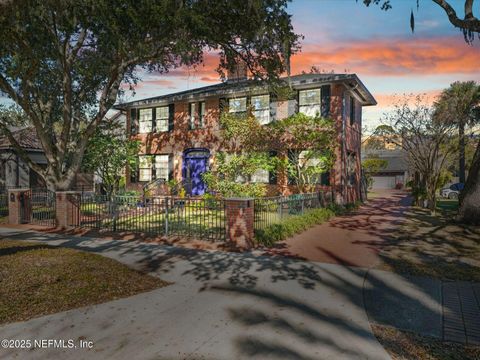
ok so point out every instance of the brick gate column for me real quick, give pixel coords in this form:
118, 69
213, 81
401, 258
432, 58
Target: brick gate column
15, 206
67, 208
240, 221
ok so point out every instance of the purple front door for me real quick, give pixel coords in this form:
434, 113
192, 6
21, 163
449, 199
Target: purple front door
195, 163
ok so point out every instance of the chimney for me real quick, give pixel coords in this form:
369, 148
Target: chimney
238, 72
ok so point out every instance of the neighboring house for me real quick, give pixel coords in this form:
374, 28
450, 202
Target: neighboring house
182, 129
15, 173
395, 175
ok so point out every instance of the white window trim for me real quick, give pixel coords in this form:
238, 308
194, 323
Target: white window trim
310, 109
145, 125
163, 120
234, 111
262, 119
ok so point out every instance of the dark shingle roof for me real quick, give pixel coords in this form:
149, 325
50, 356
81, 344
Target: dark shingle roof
231, 87
27, 138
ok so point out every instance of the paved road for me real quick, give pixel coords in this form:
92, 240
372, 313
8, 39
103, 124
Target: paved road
221, 306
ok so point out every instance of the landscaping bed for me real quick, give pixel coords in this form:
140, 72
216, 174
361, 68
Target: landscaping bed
37, 279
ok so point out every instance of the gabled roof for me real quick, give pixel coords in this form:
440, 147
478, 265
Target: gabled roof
27, 139
231, 87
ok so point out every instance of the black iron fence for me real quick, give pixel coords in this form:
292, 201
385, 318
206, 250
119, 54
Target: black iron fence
272, 210
40, 207
161, 216
3, 204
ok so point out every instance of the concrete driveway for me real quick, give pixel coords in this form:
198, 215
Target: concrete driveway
220, 306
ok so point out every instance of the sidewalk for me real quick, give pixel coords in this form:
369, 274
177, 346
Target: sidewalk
221, 306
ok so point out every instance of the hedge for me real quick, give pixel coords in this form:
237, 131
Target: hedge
297, 224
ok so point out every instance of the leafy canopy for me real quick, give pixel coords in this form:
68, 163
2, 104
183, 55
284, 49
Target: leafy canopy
64, 61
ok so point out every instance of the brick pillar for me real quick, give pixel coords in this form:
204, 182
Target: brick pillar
239, 219
18, 204
68, 208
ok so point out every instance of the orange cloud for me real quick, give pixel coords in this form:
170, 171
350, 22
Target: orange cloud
388, 100
390, 57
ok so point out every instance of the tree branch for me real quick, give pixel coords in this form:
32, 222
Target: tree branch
469, 23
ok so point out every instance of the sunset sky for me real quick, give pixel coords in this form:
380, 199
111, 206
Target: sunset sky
378, 46
347, 36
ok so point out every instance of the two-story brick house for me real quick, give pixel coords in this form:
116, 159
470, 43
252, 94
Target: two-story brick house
182, 129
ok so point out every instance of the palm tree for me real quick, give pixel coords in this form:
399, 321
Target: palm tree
458, 106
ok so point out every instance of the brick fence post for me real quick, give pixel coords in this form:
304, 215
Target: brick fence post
67, 208
17, 206
239, 213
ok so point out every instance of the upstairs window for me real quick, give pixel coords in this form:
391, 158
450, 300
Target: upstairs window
237, 106
352, 110
162, 119
261, 108
201, 115
145, 121
309, 102
191, 118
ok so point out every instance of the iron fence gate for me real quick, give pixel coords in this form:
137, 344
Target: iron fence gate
162, 216
38, 206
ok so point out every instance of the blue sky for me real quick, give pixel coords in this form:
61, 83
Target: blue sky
343, 35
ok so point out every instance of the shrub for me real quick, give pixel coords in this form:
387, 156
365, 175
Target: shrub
291, 226
297, 224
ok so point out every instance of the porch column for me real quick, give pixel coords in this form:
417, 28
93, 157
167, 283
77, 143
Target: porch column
67, 208
18, 206
239, 213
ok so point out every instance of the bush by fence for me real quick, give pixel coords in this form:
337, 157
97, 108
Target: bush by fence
280, 231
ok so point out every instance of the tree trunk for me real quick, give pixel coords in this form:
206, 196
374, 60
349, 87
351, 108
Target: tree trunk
469, 210
461, 151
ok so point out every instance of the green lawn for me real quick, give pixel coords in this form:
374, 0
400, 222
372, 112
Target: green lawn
181, 221
37, 279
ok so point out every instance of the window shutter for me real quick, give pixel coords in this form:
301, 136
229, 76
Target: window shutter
291, 179
352, 110
325, 93
272, 175
273, 107
325, 178
189, 122
171, 116
154, 120
222, 105
133, 121
170, 167
154, 168
134, 172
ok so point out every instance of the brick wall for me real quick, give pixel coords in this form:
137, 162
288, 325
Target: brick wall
181, 138
239, 215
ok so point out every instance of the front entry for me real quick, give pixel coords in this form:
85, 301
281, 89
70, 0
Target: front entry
195, 163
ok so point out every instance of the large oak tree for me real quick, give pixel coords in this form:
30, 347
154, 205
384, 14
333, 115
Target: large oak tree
64, 62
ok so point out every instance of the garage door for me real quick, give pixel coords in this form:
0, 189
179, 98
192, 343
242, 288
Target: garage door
383, 182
